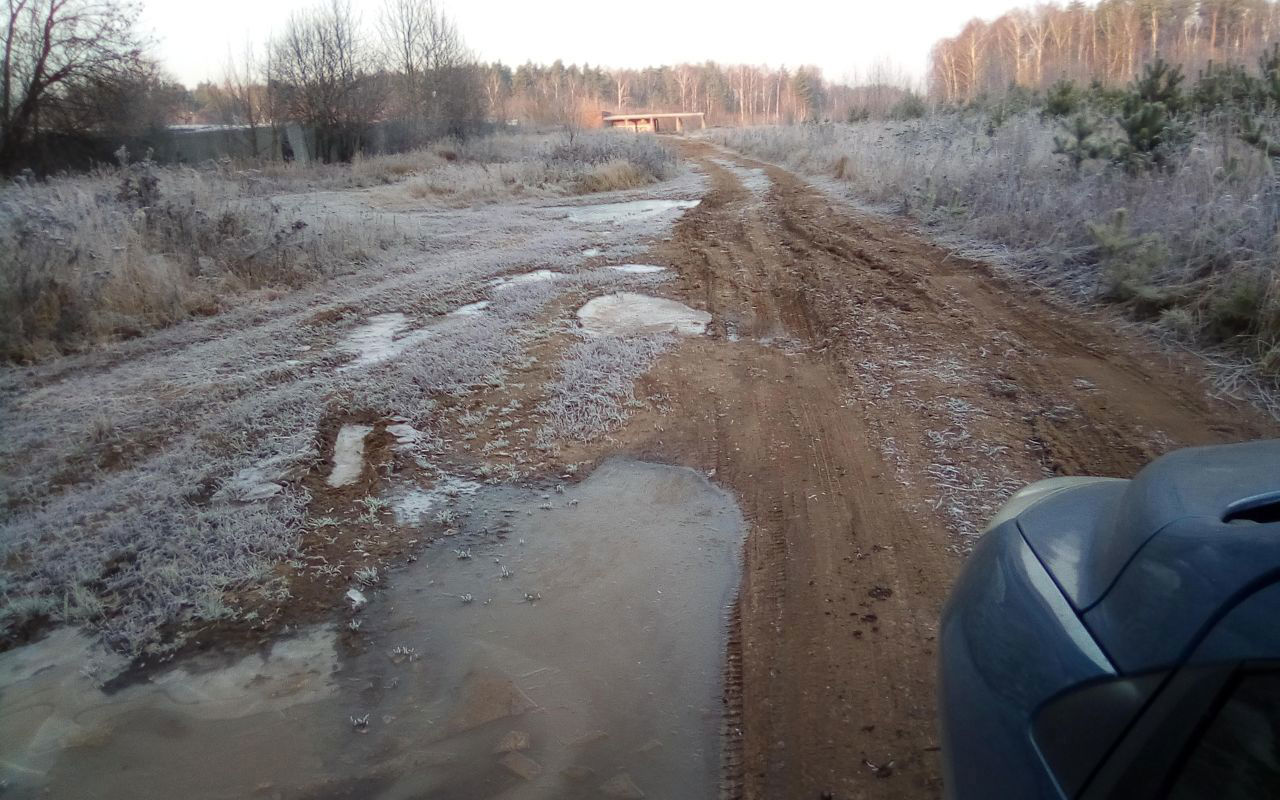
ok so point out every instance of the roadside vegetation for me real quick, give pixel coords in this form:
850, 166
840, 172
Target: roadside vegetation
127, 249
1161, 196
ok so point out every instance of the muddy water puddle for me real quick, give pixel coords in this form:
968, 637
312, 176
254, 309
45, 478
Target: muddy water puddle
563, 644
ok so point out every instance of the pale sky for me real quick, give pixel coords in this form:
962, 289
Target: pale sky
842, 37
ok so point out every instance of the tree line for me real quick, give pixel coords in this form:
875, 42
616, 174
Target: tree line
1109, 42
727, 94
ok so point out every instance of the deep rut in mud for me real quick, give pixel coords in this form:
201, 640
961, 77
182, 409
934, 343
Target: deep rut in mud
870, 400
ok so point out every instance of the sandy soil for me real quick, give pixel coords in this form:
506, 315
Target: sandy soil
880, 399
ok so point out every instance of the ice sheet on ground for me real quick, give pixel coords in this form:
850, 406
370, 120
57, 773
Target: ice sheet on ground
615, 668
263, 480
407, 436
348, 454
620, 213
638, 269
628, 313
412, 506
537, 276
251, 484
382, 338
470, 309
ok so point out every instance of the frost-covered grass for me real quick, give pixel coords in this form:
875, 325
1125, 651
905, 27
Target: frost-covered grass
86, 259
95, 258
116, 465
502, 167
596, 384
1194, 247
156, 542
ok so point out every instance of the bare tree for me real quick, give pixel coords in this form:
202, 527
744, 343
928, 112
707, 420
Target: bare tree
497, 87
53, 49
622, 85
433, 74
241, 98
1107, 41
327, 78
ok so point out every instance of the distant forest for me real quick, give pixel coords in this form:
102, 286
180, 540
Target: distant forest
541, 93
1108, 43
77, 72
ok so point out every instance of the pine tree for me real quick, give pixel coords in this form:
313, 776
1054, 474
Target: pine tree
1147, 118
1080, 145
1255, 133
1268, 83
1062, 99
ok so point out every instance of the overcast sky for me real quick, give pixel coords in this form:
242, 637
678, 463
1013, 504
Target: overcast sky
843, 37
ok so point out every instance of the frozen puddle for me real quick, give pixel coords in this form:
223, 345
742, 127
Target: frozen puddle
619, 213
382, 338
348, 454
537, 276
638, 269
414, 506
261, 481
470, 310
594, 668
61, 735
627, 313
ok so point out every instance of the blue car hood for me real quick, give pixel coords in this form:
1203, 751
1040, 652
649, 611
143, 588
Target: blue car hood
1151, 563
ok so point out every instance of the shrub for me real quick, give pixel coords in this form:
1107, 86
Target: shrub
858, 114
1081, 144
1238, 305
1147, 118
1062, 99
110, 255
1130, 264
911, 106
612, 176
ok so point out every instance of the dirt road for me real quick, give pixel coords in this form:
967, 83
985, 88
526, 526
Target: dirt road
870, 400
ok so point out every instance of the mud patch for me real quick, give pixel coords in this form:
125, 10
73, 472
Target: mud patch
629, 314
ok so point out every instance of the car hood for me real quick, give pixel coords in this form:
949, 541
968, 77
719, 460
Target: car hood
1151, 563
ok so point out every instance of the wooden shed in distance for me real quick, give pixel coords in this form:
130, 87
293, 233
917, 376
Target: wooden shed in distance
649, 122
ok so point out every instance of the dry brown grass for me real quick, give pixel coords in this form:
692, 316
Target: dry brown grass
613, 176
